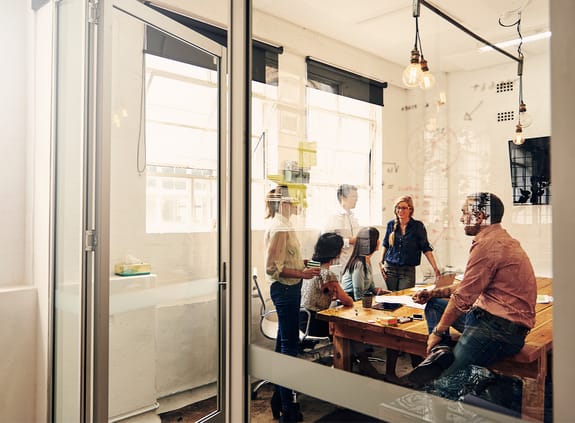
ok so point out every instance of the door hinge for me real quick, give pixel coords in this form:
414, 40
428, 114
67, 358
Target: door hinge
90, 240
94, 12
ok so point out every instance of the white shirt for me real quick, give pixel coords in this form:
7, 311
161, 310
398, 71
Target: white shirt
346, 225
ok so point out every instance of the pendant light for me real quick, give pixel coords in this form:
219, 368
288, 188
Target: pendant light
412, 73
417, 72
427, 80
524, 119
518, 139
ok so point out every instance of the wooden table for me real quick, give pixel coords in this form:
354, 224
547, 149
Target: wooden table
361, 325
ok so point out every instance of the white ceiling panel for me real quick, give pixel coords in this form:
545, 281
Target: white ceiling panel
387, 27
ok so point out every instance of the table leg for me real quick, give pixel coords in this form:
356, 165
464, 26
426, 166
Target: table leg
533, 393
342, 353
533, 399
390, 362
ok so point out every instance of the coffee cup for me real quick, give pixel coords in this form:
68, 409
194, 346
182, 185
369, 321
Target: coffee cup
367, 300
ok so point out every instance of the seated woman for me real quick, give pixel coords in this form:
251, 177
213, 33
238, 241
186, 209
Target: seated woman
357, 280
318, 293
357, 276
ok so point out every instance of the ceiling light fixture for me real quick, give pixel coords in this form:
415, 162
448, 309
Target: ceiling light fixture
523, 118
516, 41
417, 72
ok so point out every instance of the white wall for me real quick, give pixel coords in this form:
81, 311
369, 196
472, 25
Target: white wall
18, 369
13, 147
480, 155
25, 146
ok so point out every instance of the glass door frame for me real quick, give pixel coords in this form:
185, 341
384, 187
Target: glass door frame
100, 52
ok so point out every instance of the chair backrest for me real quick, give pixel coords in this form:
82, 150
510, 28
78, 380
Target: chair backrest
268, 318
269, 322
263, 308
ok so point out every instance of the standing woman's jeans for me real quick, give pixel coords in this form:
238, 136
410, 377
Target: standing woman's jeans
399, 277
286, 299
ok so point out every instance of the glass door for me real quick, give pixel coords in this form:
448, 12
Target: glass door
165, 216
149, 336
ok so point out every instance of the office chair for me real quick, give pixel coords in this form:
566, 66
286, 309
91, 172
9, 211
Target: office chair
314, 345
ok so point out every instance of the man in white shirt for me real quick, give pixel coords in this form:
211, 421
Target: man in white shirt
344, 223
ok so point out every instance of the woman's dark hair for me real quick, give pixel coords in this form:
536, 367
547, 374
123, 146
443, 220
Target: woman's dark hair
327, 247
365, 245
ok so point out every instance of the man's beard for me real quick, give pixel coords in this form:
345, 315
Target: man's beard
472, 230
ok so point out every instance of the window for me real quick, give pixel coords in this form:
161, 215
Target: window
181, 139
264, 141
181, 146
344, 121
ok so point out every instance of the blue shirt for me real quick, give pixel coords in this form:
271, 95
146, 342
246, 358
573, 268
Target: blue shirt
407, 248
355, 282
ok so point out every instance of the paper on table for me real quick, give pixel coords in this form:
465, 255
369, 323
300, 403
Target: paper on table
398, 299
544, 299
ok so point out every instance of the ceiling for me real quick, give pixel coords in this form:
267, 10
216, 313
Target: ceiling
387, 27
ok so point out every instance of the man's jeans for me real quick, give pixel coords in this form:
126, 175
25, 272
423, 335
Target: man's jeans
286, 299
485, 338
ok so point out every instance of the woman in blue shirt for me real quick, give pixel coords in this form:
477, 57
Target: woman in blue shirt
357, 276
405, 239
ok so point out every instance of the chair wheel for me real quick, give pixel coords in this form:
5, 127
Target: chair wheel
254, 395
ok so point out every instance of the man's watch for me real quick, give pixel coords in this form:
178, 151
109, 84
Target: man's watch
438, 333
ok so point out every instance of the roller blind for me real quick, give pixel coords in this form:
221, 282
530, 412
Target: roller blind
264, 56
338, 81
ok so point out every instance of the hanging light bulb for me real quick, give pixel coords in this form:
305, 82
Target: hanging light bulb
524, 117
518, 139
412, 73
427, 80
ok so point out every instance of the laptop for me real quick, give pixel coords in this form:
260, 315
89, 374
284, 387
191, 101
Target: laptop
445, 280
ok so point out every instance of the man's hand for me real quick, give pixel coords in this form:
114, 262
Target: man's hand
422, 297
432, 341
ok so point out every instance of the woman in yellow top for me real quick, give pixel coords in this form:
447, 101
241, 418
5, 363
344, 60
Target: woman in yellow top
286, 269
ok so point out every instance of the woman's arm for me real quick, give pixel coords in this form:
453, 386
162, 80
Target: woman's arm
431, 260
275, 261
275, 254
340, 294
381, 265
358, 280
